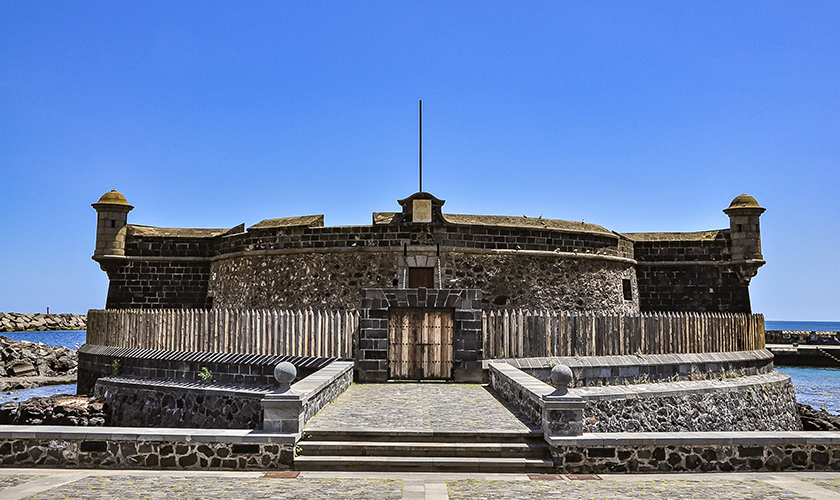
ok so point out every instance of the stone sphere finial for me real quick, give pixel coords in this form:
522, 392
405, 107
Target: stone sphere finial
561, 376
285, 374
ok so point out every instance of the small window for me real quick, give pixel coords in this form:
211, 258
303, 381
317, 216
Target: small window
421, 277
113, 223
628, 289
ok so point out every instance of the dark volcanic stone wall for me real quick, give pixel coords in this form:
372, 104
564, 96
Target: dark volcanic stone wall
685, 274
155, 403
764, 407
178, 284
332, 280
538, 282
692, 288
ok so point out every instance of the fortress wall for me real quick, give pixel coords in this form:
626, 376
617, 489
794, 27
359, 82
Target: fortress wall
543, 282
395, 236
335, 279
300, 280
158, 246
700, 288
687, 272
159, 284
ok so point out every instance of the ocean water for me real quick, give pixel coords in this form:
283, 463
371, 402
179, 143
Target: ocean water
815, 386
803, 326
68, 338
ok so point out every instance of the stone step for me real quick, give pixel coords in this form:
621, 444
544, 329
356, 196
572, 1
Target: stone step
413, 435
422, 464
424, 449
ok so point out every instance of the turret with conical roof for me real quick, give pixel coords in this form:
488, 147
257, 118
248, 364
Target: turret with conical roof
112, 216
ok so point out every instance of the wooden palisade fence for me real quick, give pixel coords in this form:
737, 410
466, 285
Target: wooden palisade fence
270, 332
527, 334
507, 333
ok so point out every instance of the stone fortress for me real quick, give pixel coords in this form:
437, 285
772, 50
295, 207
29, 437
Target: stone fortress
515, 262
654, 331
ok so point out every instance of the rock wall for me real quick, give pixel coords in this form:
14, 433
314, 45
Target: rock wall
335, 280
157, 403
747, 406
295, 281
698, 457
18, 322
119, 452
540, 282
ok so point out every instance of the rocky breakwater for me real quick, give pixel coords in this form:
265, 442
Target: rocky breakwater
24, 365
17, 322
54, 410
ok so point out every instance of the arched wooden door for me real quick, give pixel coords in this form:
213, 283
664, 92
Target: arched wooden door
420, 344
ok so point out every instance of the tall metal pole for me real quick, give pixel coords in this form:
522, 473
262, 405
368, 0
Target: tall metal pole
421, 145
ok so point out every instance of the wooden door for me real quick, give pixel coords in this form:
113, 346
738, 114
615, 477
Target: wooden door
420, 344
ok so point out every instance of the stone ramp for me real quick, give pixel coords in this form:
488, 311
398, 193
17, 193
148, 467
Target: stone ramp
419, 406
422, 427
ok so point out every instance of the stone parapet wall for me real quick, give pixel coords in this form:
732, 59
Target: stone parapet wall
698, 452
682, 247
98, 361
20, 322
591, 371
756, 403
133, 402
133, 448
456, 236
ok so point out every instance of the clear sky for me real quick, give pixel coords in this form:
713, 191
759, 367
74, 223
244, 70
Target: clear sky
638, 116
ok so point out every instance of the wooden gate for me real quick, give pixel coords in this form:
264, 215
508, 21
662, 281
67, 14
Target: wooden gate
420, 344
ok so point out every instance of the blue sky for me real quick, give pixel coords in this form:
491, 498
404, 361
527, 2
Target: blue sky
639, 116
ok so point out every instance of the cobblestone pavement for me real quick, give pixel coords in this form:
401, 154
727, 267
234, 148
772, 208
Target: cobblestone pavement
573, 490
14, 480
419, 406
114, 485
829, 484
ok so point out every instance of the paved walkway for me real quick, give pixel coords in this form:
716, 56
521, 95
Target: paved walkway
90, 484
418, 406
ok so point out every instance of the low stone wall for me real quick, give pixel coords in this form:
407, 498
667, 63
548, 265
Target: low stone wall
227, 368
646, 368
133, 402
699, 452
757, 403
557, 412
289, 411
131, 448
18, 322
754, 403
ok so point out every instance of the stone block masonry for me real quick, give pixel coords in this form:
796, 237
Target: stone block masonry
697, 452
155, 403
132, 448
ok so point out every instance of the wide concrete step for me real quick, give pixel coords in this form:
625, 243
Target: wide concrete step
414, 435
537, 449
422, 464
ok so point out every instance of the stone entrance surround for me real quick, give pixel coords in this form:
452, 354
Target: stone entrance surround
373, 336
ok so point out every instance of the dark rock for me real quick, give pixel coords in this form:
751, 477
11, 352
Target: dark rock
54, 410
817, 420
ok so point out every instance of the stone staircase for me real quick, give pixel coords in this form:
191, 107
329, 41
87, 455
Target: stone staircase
383, 450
